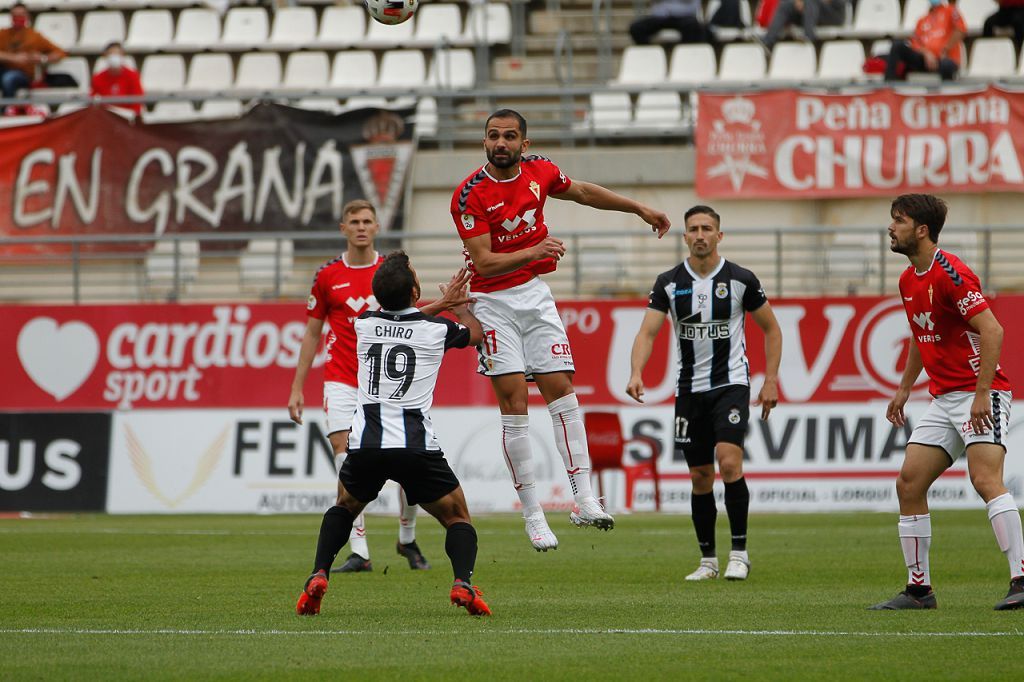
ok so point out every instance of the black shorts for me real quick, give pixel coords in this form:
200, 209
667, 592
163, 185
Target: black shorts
423, 474
705, 419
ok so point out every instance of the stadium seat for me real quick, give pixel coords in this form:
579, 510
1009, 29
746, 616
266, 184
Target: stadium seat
725, 33
99, 29
992, 58
5, 20
876, 18
341, 27
149, 30
452, 69
198, 29
170, 111
489, 22
354, 69
60, 28
610, 112
426, 117
658, 111
436, 21
220, 108
402, 69
840, 31
294, 28
365, 102
693, 64
380, 35
793, 61
743, 63
913, 10
160, 262
326, 104
841, 60
265, 263
210, 71
258, 71
975, 12
306, 71
642, 65
607, 449
245, 28
77, 68
163, 73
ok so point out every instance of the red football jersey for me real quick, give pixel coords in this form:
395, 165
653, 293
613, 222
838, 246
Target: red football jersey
340, 294
512, 211
939, 302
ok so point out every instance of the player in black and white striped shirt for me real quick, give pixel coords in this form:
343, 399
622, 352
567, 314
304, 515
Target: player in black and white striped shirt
400, 351
708, 298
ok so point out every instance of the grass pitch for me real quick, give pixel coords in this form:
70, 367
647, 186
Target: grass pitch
212, 597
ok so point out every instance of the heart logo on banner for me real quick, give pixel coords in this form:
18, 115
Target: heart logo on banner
59, 358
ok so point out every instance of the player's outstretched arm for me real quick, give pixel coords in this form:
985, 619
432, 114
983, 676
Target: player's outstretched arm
643, 344
490, 264
469, 321
894, 412
452, 294
768, 397
596, 196
991, 332
310, 340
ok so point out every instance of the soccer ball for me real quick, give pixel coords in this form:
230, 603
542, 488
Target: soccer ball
391, 12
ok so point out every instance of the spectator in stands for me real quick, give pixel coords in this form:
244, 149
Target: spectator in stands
24, 53
1009, 15
809, 13
680, 15
118, 79
935, 45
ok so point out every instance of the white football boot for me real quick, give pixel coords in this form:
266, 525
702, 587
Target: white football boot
539, 532
589, 512
738, 567
707, 570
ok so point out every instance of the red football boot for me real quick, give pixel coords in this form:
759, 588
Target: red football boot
312, 593
469, 596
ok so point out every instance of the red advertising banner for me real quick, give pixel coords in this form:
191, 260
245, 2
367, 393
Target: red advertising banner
74, 358
788, 143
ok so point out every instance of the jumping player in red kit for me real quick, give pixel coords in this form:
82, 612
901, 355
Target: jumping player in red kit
499, 213
957, 340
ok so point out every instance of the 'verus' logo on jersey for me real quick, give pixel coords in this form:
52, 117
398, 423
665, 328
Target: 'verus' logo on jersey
736, 137
692, 329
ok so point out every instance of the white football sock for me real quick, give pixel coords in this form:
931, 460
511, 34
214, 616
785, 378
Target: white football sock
571, 441
515, 448
357, 538
406, 519
915, 539
1005, 519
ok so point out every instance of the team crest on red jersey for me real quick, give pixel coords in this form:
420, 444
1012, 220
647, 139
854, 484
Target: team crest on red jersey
382, 164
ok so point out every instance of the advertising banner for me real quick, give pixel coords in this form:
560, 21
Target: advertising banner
275, 168
788, 143
54, 462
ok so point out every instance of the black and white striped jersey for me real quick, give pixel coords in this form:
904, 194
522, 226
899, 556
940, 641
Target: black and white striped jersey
708, 315
399, 353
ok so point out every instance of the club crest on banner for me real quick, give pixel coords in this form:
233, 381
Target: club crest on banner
382, 164
735, 138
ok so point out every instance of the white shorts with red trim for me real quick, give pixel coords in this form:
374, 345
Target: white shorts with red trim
340, 405
523, 331
947, 422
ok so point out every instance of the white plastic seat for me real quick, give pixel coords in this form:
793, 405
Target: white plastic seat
160, 262
341, 27
220, 108
913, 10
306, 71
992, 58
294, 27
210, 71
742, 63
149, 30
365, 102
658, 110
436, 21
328, 104
610, 112
380, 35
245, 28
841, 60
975, 12
793, 62
77, 68
163, 73
60, 28
99, 29
642, 64
452, 69
258, 71
170, 111
729, 32
355, 69
69, 108
402, 69
489, 23
876, 18
5, 21
198, 29
693, 64
265, 262
426, 117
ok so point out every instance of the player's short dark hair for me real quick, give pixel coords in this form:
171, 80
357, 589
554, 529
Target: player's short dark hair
923, 209
508, 113
394, 282
703, 210
358, 205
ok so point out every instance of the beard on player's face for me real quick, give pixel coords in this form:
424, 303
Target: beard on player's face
509, 158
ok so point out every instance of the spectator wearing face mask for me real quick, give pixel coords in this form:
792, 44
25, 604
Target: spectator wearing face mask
24, 53
118, 79
935, 45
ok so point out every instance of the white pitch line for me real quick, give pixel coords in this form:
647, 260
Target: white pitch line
503, 631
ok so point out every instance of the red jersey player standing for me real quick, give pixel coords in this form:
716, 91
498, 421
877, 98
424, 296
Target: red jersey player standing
957, 341
341, 292
499, 213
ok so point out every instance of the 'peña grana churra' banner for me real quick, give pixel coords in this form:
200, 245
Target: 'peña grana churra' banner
275, 168
789, 143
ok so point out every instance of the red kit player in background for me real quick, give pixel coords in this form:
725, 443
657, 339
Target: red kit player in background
499, 213
957, 341
341, 292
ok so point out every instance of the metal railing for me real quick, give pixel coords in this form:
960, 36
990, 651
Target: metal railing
792, 262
